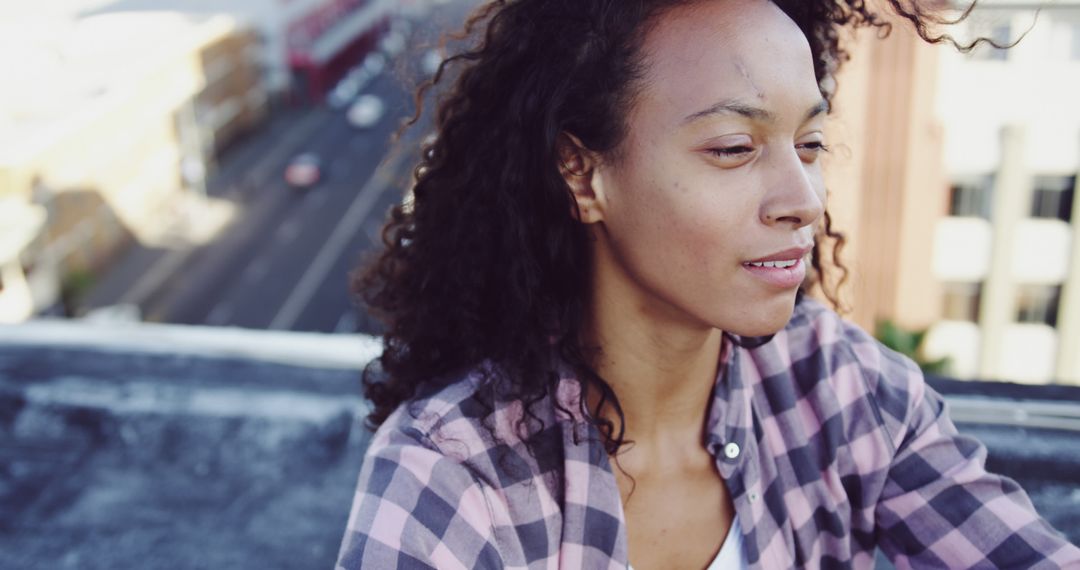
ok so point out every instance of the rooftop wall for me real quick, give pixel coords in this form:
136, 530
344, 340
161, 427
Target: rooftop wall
155, 446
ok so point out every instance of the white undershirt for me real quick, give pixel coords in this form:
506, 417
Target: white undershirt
731, 555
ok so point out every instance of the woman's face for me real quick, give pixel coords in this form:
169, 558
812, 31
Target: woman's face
719, 170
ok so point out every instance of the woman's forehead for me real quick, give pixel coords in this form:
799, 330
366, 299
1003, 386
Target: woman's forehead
743, 50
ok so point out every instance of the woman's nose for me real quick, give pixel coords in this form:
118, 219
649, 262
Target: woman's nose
795, 194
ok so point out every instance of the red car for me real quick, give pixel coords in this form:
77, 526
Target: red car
303, 171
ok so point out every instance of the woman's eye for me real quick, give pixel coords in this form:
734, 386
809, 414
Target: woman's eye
811, 150
732, 151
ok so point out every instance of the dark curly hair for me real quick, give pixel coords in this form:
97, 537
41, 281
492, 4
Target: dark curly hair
487, 263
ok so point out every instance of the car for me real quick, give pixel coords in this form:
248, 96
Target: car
431, 61
392, 44
304, 170
366, 111
374, 63
344, 92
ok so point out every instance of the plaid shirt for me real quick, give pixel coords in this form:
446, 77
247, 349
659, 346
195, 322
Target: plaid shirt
829, 444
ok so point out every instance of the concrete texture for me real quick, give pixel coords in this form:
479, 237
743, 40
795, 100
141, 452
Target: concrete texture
165, 457
158, 461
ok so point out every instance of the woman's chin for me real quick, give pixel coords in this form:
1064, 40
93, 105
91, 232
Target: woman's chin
763, 321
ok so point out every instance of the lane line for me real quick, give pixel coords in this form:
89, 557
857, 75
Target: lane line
348, 226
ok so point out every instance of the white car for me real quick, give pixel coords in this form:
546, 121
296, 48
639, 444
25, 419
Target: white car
392, 44
344, 92
431, 62
366, 112
374, 63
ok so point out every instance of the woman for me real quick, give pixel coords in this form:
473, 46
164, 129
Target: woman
598, 352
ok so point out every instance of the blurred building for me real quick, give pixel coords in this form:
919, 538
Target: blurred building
1007, 253
20, 225
957, 182
110, 122
303, 46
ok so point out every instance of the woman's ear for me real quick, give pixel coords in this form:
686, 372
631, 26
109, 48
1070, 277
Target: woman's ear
577, 165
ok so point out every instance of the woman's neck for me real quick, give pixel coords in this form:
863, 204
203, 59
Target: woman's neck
661, 369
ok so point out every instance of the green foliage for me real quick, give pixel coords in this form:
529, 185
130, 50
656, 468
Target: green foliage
910, 344
75, 285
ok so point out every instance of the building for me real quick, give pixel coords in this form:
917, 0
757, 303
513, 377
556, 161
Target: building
110, 122
1008, 252
24, 288
955, 178
303, 46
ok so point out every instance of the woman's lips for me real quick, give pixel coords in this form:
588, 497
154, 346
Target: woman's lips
779, 277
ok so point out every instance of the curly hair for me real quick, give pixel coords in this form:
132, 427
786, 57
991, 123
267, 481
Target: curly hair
487, 263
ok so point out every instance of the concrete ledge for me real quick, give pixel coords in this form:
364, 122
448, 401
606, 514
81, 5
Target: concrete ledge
301, 349
163, 447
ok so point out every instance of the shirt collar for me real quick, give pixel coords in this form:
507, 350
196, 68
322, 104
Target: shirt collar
728, 423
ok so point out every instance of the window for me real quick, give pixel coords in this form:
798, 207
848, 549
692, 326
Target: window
1038, 304
1052, 197
970, 197
962, 301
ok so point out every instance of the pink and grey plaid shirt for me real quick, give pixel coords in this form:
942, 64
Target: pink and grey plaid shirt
829, 443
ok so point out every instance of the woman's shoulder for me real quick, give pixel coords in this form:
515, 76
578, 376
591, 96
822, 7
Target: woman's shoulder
459, 417
443, 411
818, 334
827, 356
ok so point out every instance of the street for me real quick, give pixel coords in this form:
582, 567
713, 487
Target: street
284, 261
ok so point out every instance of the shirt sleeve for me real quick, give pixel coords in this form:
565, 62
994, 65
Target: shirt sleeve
940, 508
416, 508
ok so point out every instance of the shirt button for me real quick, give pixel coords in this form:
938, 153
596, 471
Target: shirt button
753, 497
731, 450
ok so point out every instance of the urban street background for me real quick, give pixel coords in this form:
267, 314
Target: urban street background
186, 186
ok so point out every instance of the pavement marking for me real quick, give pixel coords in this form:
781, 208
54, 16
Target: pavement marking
220, 314
257, 269
348, 226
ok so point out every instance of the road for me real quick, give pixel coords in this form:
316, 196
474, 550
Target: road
284, 261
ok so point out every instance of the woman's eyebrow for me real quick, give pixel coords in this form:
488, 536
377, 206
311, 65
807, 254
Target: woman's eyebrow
822, 106
732, 106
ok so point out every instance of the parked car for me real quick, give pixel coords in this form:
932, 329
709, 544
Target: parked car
374, 63
392, 44
431, 61
304, 170
366, 112
344, 92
